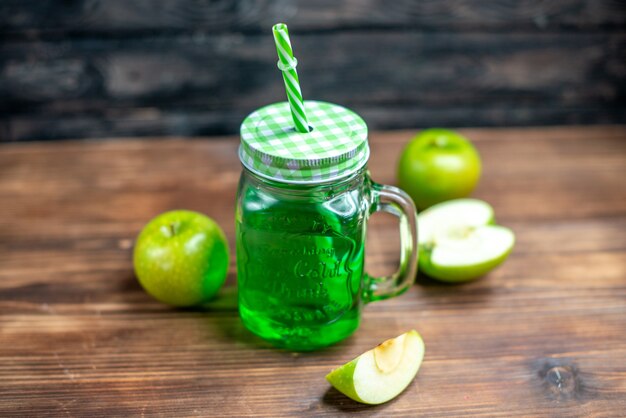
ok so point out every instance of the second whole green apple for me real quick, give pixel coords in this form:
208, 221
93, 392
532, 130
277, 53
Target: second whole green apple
181, 258
438, 165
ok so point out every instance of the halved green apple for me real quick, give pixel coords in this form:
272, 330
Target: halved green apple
459, 240
382, 373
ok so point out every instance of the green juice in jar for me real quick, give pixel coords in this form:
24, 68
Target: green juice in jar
300, 261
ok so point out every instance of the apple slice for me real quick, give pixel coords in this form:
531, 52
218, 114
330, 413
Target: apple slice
382, 373
459, 241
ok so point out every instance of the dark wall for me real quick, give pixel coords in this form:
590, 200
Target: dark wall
94, 68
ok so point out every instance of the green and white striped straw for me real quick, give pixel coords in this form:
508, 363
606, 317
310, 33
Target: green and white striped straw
287, 64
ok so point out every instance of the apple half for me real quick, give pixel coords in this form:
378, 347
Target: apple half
382, 373
459, 240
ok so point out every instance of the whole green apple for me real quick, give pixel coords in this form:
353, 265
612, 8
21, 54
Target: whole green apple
181, 258
438, 165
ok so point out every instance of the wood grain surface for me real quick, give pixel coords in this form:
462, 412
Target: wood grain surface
543, 335
91, 68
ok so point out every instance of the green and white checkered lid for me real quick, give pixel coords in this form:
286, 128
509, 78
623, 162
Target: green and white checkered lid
335, 147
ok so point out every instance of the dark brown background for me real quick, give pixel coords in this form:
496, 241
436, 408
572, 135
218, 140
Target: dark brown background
91, 68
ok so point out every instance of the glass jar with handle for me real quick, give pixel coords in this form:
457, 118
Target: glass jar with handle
303, 204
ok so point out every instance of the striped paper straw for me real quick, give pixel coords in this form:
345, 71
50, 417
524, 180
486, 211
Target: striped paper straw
287, 64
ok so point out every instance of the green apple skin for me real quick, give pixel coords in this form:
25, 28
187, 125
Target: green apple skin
345, 378
457, 274
181, 258
342, 380
438, 165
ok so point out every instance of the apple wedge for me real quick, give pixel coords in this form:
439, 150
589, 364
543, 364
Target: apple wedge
382, 373
459, 240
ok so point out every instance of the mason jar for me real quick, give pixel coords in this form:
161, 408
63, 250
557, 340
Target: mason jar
303, 203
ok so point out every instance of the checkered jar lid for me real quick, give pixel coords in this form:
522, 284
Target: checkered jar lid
335, 147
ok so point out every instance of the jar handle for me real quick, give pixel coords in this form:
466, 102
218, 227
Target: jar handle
396, 202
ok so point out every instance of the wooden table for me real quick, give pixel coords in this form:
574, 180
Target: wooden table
543, 335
